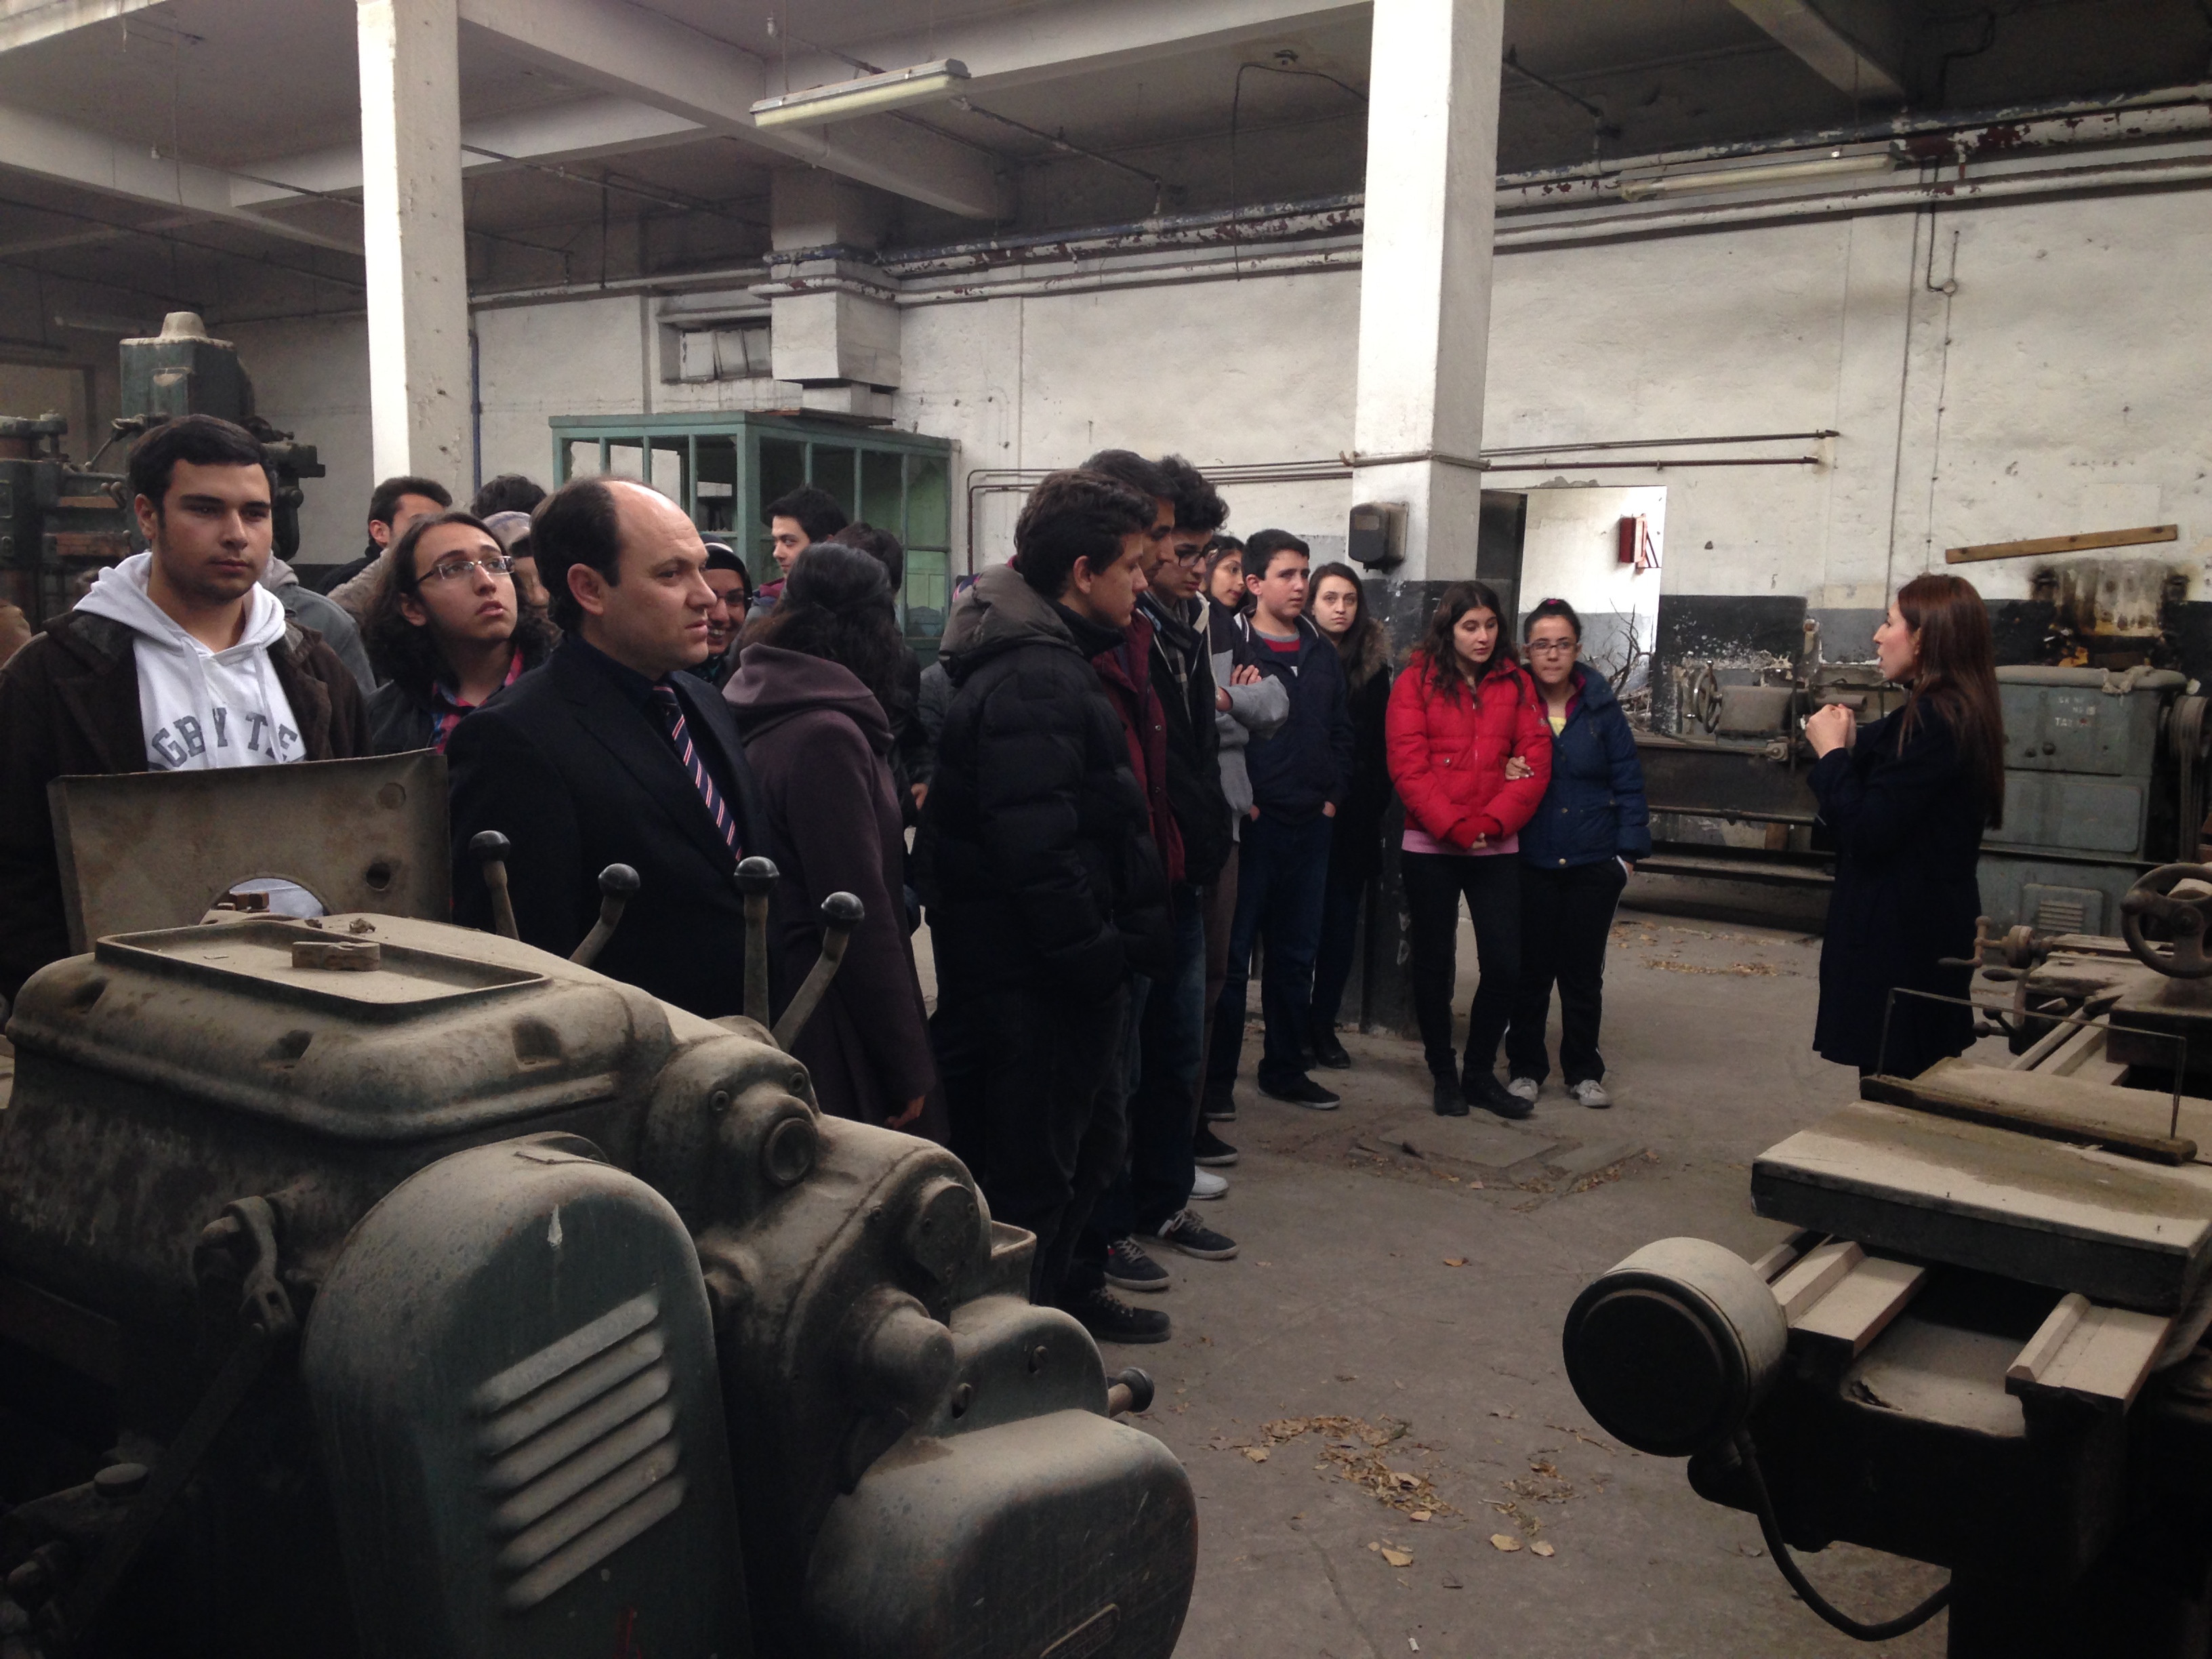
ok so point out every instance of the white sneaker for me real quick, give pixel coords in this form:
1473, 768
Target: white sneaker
1206, 1184
1591, 1093
1525, 1087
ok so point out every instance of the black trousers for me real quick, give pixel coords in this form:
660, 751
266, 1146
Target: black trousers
1034, 1087
1435, 883
1566, 916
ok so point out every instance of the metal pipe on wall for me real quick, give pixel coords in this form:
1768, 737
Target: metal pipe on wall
983, 481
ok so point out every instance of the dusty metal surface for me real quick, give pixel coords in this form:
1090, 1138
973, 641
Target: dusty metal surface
532, 1147
143, 850
2071, 1217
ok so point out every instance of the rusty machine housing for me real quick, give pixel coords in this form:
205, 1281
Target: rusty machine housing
369, 1285
60, 518
1985, 1346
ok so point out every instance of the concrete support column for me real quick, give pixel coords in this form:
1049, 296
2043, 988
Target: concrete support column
1424, 348
418, 274
1424, 274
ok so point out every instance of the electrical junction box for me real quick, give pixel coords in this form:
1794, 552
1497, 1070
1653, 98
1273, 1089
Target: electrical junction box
1377, 534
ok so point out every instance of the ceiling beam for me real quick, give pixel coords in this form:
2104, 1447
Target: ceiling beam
47, 149
579, 131
22, 21
636, 53
1834, 56
1076, 37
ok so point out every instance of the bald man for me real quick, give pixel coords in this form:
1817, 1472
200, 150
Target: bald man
610, 754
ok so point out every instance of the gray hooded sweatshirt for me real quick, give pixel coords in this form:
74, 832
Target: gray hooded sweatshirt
201, 709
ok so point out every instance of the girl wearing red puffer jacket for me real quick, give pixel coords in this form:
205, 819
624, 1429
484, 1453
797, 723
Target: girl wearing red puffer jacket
1462, 708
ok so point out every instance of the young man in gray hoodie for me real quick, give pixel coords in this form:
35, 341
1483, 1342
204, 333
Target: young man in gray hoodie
176, 660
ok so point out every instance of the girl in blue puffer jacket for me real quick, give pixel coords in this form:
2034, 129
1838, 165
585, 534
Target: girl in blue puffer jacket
1576, 856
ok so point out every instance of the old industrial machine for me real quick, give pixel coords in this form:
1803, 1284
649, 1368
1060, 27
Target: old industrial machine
2106, 777
369, 1285
61, 519
1985, 1346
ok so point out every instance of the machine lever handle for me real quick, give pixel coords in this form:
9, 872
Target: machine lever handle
618, 885
841, 914
490, 848
755, 878
1129, 1391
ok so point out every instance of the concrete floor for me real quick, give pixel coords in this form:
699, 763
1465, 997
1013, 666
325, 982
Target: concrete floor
1345, 1302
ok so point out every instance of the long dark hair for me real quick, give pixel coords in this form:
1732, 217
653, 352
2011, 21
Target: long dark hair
838, 605
1445, 675
1364, 647
408, 652
1217, 549
1957, 679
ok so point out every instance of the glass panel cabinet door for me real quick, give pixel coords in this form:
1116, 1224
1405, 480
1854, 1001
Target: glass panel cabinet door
883, 493
929, 502
834, 468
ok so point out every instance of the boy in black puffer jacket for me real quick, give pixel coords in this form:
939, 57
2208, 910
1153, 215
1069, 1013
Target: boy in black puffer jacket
1036, 862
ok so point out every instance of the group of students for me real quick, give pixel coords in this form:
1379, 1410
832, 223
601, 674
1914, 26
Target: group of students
1145, 750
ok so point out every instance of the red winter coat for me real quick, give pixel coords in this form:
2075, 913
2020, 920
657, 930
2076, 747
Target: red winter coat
1448, 754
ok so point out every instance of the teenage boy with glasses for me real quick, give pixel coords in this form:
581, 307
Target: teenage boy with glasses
449, 631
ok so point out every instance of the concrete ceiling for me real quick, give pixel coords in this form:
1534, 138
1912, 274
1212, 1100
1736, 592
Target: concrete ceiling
131, 144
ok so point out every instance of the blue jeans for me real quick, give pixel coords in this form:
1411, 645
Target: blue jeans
1163, 1100
1282, 873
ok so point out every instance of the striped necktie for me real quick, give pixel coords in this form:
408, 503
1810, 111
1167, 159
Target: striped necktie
688, 756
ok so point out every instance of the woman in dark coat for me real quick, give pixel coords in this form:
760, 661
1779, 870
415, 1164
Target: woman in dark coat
809, 694
1576, 855
1339, 608
1906, 800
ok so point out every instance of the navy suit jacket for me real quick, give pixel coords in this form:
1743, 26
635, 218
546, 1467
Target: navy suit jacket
577, 777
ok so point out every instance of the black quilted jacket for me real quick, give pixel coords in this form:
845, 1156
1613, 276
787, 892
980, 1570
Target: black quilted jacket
1035, 855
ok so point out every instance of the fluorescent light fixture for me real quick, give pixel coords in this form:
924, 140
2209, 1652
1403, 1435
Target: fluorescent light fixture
843, 100
1836, 164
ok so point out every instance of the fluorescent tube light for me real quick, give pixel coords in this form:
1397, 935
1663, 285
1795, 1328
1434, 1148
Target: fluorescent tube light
1648, 186
842, 99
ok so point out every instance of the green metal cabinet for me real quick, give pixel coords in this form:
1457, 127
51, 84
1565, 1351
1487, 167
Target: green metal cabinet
723, 467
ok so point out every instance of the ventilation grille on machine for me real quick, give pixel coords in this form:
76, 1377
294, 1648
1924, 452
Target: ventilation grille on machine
581, 1449
2053, 910
2061, 916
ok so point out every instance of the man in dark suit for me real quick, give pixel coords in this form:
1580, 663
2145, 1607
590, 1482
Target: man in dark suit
608, 754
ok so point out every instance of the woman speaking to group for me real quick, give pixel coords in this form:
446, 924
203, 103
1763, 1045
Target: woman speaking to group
1907, 798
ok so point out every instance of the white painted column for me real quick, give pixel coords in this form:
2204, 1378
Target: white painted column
1425, 273
418, 278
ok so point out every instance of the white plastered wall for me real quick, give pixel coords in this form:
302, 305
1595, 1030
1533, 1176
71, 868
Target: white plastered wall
1571, 550
2063, 386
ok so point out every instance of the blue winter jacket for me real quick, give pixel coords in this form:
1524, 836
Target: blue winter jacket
1595, 808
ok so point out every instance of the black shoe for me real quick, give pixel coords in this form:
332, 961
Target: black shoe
1211, 1150
1300, 1091
1218, 1104
1327, 1051
1110, 1319
1450, 1101
1128, 1268
1487, 1092
1187, 1233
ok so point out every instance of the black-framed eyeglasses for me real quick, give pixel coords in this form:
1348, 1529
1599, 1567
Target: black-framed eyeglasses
1553, 648
452, 570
